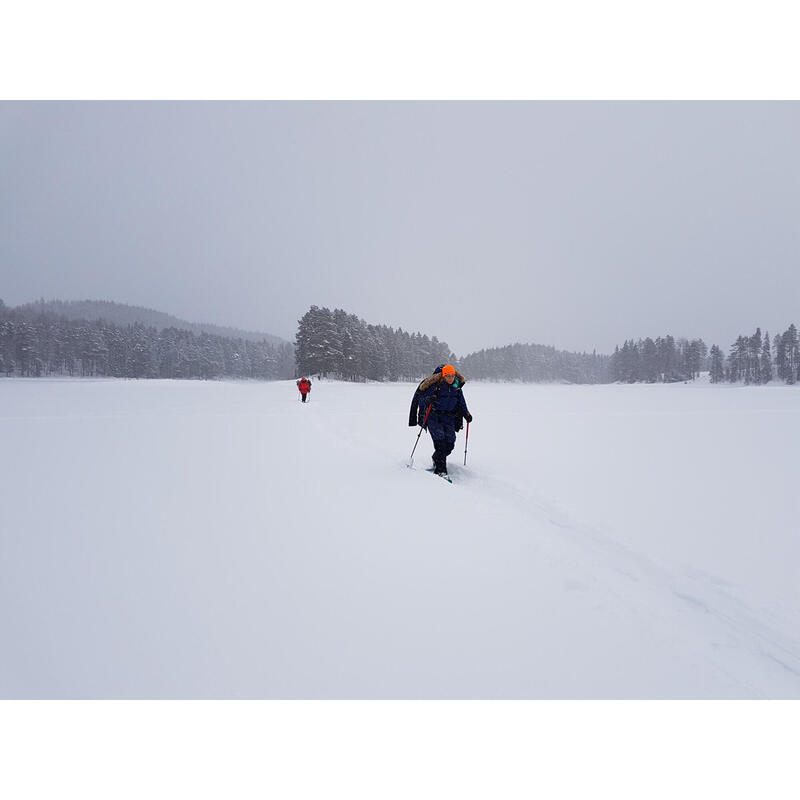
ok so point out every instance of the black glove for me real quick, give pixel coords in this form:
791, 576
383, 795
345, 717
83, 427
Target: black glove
468, 417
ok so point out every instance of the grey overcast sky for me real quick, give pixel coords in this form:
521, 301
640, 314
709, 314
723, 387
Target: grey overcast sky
483, 223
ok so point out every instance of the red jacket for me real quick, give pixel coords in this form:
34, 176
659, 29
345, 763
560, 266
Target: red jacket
304, 386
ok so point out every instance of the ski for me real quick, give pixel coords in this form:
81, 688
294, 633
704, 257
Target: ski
444, 476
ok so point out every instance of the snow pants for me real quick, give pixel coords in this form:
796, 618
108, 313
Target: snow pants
442, 428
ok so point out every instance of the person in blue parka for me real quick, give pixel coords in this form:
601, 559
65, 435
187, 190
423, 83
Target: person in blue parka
439, 407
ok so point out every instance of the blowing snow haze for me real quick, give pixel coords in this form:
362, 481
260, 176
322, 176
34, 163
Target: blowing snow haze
484, 223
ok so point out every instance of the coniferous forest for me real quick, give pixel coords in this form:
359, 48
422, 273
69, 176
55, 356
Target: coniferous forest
123, 315
660, 360
533, 363
36, 341
752, 360
338, 344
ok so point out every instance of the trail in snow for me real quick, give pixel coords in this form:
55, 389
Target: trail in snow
717, 621
725, 634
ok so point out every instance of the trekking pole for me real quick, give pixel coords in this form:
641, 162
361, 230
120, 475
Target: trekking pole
466, 441
421, 428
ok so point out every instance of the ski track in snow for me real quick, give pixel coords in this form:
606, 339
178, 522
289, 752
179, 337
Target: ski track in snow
718, 622
717, 619
717, 614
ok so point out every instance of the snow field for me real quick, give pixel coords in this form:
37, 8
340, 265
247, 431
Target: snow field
222, 539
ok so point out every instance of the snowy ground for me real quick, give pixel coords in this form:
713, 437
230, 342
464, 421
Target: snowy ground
192, 539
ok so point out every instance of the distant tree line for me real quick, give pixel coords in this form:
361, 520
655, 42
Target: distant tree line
758, 360
533, 363
753, 360
340, 345
660, 360
123, 315
35, 341
38, 344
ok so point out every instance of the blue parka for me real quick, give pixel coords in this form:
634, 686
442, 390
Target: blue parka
447, 403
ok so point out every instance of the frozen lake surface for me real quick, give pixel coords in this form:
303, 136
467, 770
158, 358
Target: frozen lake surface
222, 540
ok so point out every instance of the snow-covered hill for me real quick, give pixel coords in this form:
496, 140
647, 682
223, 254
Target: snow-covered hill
193, 539
122, 314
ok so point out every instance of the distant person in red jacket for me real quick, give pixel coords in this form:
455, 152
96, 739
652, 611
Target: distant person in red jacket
304, 385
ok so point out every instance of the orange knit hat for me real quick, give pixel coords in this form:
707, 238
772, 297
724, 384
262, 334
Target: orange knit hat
448, 369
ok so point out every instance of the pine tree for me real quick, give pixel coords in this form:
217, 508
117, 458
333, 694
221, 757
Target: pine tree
753, 358
26, 351
793, 351
717, 366
649, 361
766, 361
311, 346
780, 356
791, 354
